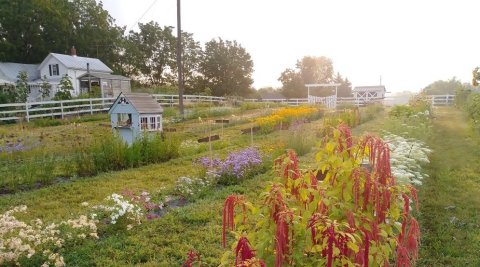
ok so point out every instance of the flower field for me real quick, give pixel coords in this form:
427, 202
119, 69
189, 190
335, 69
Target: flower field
315, 192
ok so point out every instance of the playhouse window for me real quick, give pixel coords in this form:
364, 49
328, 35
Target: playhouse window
151, 123
124, 120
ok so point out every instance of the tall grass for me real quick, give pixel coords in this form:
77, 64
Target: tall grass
113, 154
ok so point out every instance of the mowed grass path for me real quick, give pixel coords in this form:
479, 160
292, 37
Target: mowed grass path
450, 197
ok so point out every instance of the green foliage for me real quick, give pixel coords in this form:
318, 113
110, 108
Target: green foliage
312, 70
21, 87
232, 78
64, 89
473, 107
299, 142
45, 88
114, 154
475, 76
32, 29
300, 221
401, 111
461, 95
46, 122
7, 93
442, 87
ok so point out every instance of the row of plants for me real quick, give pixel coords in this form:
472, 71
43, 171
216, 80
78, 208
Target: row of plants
407, 157
109, 154
286, 116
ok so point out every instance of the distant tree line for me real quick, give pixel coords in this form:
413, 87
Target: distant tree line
30, 29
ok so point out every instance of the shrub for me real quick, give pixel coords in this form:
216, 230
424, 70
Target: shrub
301, 143
370, 112
401, 111
352, 216
473, 107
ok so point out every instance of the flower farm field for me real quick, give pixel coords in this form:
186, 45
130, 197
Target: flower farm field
448, 215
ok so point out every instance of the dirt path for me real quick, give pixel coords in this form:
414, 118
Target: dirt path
450, 197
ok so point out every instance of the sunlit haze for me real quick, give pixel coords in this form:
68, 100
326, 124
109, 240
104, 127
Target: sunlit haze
408, 43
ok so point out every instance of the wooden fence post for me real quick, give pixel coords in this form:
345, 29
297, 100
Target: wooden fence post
61, 108
91, 107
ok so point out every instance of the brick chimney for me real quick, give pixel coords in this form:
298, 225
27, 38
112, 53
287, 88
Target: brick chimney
73, 51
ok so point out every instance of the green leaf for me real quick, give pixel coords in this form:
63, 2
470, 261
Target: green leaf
353, 246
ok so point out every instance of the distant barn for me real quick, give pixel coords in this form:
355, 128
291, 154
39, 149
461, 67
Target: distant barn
133, 114
368, 94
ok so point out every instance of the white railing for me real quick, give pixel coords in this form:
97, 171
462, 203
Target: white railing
53, 109
29, 110
288, 101
329, 101
441, 100
172, 100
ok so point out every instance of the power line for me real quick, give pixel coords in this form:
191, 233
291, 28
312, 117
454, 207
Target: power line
144, 13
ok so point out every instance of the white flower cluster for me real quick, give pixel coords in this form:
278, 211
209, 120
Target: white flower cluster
83, 223
406, 158
19, 239
119, 207
186, 186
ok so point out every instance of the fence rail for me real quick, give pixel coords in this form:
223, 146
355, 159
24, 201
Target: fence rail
441, 100
45, 109
53, 109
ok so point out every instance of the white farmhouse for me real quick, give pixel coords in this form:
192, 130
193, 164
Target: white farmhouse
84, 73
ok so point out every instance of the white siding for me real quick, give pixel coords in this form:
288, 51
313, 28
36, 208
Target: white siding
74, 74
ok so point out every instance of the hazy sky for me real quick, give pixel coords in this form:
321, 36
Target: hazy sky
409, 43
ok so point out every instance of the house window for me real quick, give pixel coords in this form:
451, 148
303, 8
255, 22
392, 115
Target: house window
144, 123
151, 123
54, 70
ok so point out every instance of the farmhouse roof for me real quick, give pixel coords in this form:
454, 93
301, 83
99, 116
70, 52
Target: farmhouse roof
78, 63
105, 76
9, 71
142, 102
369, 88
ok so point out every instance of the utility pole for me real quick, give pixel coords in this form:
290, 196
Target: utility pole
179, 60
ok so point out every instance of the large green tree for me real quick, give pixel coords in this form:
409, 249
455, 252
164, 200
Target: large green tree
152, 49
30, 29
227, 68
443, 87
309, 70
292, 84
315, 69
345, 88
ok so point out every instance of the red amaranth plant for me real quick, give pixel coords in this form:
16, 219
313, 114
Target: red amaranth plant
350, 216
228, 214
287, 167
192, 258
281, 237
245, 255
